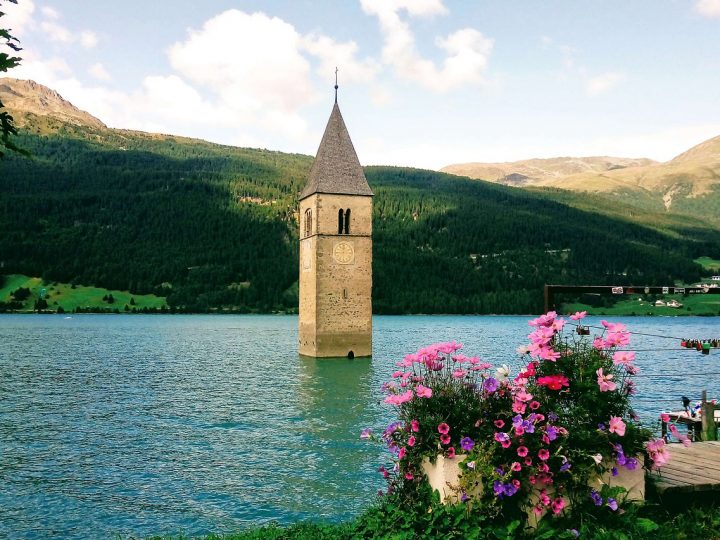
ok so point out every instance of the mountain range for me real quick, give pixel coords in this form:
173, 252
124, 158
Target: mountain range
214, 227
687, 184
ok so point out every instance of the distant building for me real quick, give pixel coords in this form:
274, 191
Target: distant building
336, 250
715, 278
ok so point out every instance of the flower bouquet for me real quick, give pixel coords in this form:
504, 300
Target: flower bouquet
557, 436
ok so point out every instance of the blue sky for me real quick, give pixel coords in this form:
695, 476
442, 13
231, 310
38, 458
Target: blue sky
423, 83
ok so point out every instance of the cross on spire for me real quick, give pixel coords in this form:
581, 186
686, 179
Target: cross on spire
336, 84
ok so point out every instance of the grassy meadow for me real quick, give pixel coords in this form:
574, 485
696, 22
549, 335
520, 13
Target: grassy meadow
77, 297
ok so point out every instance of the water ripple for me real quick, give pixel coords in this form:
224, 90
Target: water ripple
194, 424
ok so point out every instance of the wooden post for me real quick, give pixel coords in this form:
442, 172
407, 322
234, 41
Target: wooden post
707, 418
547, 298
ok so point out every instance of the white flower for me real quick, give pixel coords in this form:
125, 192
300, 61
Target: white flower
523, 349
502, 372
597, 458
471, 465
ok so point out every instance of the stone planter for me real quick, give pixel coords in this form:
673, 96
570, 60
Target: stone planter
444, 477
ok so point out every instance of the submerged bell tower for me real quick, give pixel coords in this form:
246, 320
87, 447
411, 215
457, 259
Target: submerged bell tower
336, 250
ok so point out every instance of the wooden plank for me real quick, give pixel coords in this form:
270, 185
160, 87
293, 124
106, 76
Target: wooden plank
701, 484
698, 464
699, 452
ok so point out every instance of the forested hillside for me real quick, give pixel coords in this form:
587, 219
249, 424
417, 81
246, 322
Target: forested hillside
211, 226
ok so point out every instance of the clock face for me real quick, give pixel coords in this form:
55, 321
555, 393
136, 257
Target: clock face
343, 253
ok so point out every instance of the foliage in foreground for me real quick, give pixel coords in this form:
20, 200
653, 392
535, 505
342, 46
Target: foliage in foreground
430, 519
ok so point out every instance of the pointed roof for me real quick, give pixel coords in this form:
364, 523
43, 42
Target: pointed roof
336, 168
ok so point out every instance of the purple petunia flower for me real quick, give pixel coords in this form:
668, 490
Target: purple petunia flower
551, 432
601, 426
467, 443
596, 498
464, 497
631, 464
490, 385
498, 488
510, 490
565, 466
614, 471
612, 503
552, 417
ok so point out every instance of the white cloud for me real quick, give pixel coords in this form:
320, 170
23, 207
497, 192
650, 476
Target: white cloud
708, 8
49, 12
251, 61
467, 49
603, 83
57, 32
98, 71
18, 17
88, 39
333, 54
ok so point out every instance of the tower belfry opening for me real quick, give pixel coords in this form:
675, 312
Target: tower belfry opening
336, 250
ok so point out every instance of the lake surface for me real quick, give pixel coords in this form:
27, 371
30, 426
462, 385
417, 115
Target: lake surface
132, 424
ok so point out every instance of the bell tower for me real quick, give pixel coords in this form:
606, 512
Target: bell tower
336, 250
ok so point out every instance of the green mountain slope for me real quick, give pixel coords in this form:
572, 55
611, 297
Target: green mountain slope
211, 226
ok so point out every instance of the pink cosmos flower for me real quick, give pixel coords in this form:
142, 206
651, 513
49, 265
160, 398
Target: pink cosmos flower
445, 439
623, 357
617, 426
522, 451
443, 428
544, 454
598, 343
423, 391
397, 399
578, 315
617, 339
549, 354
544, 320
524, 396
459, 373
411, 440
604, 381
415, 426
614, 327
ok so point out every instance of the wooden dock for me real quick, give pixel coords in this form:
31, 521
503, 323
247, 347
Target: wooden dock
695, 468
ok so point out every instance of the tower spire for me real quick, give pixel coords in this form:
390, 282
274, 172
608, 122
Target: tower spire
336, 84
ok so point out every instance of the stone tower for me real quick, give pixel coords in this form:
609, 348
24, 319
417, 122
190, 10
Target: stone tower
336, 250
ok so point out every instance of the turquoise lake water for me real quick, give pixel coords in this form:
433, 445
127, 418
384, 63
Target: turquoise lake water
118, 424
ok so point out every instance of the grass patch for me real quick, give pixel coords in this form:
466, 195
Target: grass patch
712, 265
693, 304
80, 297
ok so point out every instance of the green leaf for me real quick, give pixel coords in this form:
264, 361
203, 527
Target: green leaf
646, 525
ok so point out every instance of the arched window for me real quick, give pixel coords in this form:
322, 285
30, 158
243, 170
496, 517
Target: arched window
308, 222
341, 214
347, 221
